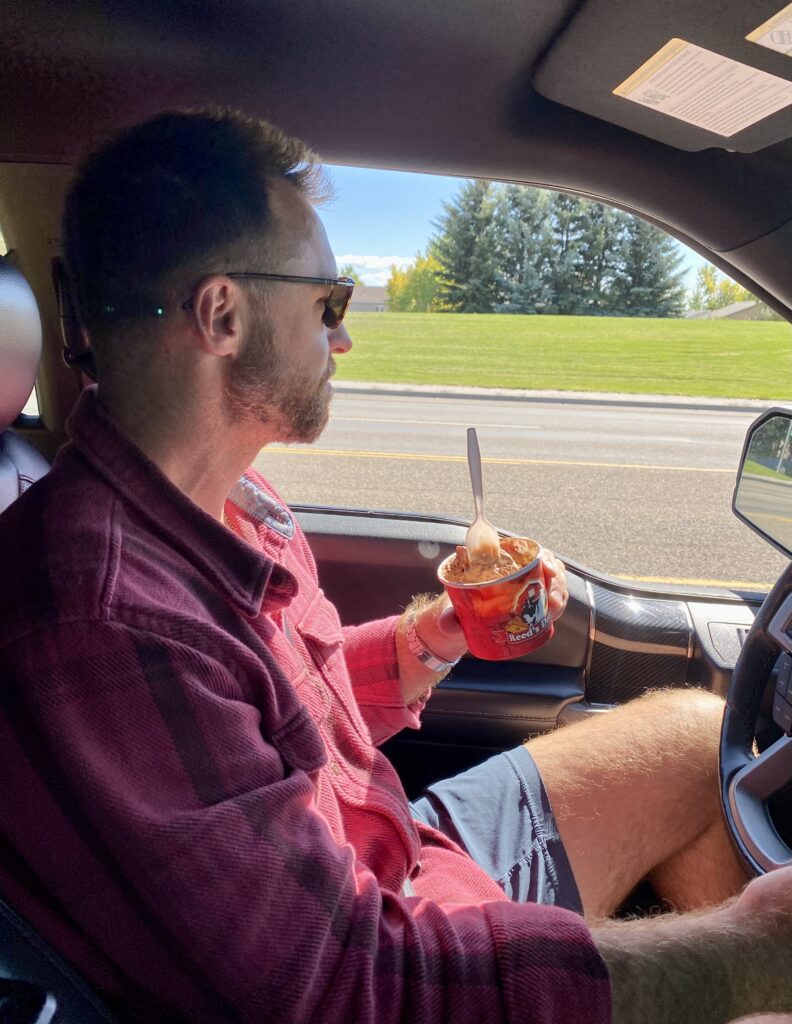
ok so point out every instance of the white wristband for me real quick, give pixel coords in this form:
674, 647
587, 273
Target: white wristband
422, 652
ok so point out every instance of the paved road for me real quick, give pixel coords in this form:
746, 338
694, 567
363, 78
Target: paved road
641, 492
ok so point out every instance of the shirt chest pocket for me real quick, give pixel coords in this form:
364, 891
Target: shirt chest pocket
320, 630
321, 635
319, 625
298, 666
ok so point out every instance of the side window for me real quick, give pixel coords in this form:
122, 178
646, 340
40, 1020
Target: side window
611, 374
31, 406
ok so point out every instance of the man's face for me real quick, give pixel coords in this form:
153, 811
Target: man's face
282, 375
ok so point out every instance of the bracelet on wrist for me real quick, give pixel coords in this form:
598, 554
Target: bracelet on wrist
419, 649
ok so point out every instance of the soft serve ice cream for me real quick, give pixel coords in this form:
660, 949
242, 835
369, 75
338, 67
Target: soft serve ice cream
500, 601
515, 552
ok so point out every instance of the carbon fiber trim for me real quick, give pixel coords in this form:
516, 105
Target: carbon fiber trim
639, 644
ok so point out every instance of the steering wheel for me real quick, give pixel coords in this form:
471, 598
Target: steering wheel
748, 782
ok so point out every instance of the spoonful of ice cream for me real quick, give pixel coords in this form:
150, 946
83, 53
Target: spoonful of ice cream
482, 542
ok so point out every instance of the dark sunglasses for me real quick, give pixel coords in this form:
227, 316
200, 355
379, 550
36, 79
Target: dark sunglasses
336, 303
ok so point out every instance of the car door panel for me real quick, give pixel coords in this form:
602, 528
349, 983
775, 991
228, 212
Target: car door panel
612, 644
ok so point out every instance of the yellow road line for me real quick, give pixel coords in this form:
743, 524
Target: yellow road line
686, 581
435, 423
411, 456
680, 580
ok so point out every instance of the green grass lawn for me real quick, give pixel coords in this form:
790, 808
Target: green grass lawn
757, 469
719, 358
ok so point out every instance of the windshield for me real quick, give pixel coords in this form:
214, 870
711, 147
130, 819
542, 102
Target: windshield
611, 374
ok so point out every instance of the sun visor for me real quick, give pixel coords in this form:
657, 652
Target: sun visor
690, 73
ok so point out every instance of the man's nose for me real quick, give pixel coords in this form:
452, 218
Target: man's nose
339, 340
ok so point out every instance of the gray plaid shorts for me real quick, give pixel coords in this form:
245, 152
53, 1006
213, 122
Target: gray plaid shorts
499, 812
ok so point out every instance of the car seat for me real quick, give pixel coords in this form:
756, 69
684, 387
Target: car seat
20, 349
36, 985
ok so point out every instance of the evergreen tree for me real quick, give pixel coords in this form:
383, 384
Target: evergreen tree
561, 244
518, 226
509, 248
769, 442
464, 250
597, 256
648, 279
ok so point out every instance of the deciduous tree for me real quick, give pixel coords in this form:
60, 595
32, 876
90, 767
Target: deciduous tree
714, 290
416, 289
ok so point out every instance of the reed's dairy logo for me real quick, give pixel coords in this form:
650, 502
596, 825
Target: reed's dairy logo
532, 619
526, 634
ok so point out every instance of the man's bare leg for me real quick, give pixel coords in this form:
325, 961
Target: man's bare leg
635, 795
703, 874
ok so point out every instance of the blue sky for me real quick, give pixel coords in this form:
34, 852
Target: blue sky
379, 218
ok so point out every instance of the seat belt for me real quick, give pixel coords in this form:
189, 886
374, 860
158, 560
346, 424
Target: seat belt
33, 973
22, 1002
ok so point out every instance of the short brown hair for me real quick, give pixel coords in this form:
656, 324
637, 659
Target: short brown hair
183, 192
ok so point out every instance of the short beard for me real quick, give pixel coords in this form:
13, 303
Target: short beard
265, 387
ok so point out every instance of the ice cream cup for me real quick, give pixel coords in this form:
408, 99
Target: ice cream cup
504, 618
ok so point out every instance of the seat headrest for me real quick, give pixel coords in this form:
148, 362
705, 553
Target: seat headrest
20, 342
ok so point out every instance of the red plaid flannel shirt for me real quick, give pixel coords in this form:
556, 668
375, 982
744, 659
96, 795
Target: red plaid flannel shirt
193, 810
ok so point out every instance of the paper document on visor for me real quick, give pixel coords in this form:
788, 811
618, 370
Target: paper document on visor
705, 89
776, 33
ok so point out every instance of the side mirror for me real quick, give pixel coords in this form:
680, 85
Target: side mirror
763, 495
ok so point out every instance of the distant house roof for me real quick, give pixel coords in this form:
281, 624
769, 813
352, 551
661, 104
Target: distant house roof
724, 313
368, 298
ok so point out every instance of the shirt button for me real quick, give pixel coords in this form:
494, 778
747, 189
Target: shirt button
334, 767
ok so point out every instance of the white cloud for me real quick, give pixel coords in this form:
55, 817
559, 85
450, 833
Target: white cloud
374, 270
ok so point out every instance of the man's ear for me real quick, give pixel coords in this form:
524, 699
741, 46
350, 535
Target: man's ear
217, 315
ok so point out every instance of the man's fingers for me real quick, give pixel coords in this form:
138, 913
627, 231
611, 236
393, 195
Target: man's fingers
557, 594
556, 603
448, 623
765, 1018
554, 567
560, 571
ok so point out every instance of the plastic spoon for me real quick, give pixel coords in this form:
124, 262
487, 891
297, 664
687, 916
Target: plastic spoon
481, 540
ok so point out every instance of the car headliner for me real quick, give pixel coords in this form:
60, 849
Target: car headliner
469, 87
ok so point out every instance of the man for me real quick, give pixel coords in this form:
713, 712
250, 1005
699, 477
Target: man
192, 806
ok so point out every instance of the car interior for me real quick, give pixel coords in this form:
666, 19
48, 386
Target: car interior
513, 92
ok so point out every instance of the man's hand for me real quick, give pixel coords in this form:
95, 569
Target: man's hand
765, 906
557, 593
439, 630
766, 1018
438, 619
704, 968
